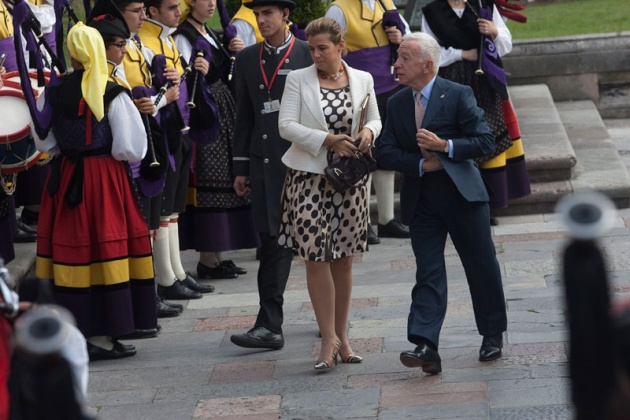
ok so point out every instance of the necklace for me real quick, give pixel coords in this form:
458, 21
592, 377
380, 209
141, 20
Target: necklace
331, 76
198, 22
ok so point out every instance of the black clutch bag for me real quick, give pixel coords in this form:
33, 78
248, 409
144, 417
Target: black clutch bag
345, 172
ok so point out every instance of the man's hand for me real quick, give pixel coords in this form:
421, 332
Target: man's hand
172, 94
144, 105
172, 75
429, 141
240, 186
393, 34
431, 164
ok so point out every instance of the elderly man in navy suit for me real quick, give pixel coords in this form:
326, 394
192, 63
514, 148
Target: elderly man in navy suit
433, 132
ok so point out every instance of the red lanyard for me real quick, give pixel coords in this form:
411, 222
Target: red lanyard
269, 84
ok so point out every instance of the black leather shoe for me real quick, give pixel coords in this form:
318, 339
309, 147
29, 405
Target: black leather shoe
258, 338
22, 235
26, 227
393, 229
193, 284
372, 237
218, 272
164, 310
138, 334
230, 264
423, 356
491, 348
177, 291
119, 351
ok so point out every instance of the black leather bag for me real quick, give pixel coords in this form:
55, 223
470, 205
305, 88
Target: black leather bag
345, 172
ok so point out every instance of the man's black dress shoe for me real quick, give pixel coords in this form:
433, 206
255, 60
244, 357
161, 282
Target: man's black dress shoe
423, 356
258, 338
230, 264
177, 291
26, 227
218, 272
491, 348
193, 284
393, 229
165, 310
119, 351
139, 334
24, 233
372, 237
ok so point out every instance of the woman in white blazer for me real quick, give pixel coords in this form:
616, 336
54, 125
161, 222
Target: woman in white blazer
320, 110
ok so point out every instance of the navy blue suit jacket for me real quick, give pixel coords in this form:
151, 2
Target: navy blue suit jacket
451, 113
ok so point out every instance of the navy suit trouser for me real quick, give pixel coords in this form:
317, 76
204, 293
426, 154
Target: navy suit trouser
442, 210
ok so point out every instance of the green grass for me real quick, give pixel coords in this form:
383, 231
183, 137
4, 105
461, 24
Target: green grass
546, 19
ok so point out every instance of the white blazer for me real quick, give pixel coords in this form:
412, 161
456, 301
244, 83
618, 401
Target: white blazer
302, 122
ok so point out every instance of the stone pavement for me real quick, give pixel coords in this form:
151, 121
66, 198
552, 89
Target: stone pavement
192, 370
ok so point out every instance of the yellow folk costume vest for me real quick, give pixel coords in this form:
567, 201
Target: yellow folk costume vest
150, 36
137, 69
6, 22
362, 21
247, 15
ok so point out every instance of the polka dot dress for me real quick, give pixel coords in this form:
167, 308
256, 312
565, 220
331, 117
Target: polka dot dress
321, 223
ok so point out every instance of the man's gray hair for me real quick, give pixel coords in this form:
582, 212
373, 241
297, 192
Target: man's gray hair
428, 47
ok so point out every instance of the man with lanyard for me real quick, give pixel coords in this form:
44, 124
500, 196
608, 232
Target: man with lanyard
173, 281
373, 54
260, 74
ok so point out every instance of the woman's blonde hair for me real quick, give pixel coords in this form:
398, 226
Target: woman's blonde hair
326, 25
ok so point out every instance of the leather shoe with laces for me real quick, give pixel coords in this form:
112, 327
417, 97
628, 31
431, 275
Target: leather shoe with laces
423, 357
219, 271
230, 264
166, 310
393, 229
193, 284
258, 338
177, 291
491, 348
138, 334
372, 237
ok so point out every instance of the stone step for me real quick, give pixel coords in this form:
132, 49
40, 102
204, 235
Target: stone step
598, 166
548, 150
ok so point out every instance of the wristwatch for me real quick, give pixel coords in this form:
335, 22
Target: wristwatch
446, 147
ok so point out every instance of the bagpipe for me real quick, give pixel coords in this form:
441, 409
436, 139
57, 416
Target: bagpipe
229, 33
391, 18
599, 329
489, 63
204, 114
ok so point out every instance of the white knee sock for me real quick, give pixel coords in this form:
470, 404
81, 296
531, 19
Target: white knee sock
210, 259
173, 247
161, 258
384, 188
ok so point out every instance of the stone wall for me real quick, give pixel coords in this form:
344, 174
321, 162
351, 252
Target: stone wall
594, 67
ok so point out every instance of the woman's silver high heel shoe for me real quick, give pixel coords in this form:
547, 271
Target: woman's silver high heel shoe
324, 364
352, 358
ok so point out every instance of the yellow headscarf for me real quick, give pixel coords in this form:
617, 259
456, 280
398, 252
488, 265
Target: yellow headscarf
184, 8
86, 45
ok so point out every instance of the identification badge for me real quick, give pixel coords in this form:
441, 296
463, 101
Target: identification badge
284, 72
271, 106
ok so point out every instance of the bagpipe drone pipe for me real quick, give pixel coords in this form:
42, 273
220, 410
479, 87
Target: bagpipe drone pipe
599, 330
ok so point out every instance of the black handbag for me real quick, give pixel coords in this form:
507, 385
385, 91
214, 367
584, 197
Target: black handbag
345, 172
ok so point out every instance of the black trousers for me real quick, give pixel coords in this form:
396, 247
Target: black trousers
273, 273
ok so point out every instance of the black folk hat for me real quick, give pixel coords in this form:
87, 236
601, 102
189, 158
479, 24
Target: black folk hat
108, 19
282, 3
